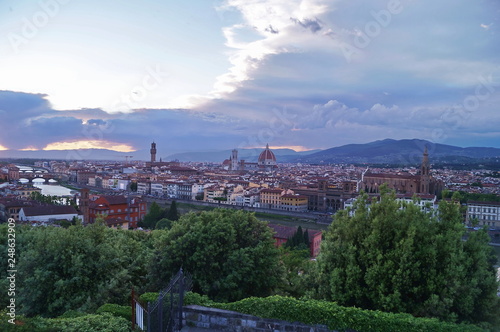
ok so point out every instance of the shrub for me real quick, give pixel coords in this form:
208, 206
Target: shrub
339, 318
148, 297
116, 310
88, 323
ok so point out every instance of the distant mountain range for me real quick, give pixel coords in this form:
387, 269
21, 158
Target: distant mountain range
404, 152
388, 151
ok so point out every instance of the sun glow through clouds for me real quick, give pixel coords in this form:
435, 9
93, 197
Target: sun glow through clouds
95, 144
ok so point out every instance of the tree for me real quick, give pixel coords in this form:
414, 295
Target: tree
172, 213
78, 268
394, 257
297, 265
133, 186
298, 241
154, 215
230, 254
164, 224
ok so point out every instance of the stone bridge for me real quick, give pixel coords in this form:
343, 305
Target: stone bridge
30, 176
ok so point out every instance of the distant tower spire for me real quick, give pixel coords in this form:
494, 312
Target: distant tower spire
234, 160
425, 171
153, 152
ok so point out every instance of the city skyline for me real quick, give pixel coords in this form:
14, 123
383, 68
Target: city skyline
229, 74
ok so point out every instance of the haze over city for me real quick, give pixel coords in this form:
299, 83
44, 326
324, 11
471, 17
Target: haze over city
213, 75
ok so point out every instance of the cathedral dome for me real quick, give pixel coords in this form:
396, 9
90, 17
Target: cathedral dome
267, 157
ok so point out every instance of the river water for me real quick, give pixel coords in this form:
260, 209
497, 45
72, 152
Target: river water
51, 188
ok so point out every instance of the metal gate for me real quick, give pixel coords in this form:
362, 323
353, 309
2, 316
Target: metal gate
165, 314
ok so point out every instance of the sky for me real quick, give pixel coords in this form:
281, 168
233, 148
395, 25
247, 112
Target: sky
204, 75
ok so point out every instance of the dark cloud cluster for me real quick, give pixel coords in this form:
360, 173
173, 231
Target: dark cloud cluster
27, 121
314, 25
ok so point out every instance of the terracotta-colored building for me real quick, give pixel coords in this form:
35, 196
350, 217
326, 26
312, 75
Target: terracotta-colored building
283, 233
132, 209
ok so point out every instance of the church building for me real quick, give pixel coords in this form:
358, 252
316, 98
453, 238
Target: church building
265, 162
421, 183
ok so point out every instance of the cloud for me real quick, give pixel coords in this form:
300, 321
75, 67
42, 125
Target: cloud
486, 26
266, 18
271, 29
311, 24
86, 144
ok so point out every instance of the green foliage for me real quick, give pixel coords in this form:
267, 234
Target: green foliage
133, 186
298, 267
116, 310
192, 298
230, 254
72, 314
298, 241
148, 297
88, 323
78, 268
47, 199
164, 224
155, 213
479, 197
172, 213
339, 318
405, 260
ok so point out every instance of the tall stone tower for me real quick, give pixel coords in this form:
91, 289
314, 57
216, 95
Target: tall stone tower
84, 205
425, 170
234, 160
153, 152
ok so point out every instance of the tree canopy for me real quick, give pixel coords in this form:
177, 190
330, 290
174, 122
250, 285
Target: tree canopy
154, 215
394, 257
78, 268
299, 240
230, 254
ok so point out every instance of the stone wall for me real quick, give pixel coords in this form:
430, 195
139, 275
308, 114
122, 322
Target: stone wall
225, 320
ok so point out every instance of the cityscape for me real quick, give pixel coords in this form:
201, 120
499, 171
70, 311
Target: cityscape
228, 165
312, 191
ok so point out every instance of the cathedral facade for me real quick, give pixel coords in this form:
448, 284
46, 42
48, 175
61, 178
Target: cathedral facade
421, 183
265, 162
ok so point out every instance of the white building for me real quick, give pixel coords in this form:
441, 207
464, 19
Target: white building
157, 189
143, 187
47, 213
171, 189
484, 213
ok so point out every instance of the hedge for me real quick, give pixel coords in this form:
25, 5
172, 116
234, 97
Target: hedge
326, 313
116, 310
88, 323
340, 318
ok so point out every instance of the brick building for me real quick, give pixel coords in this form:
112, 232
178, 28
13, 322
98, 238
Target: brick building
283, 233
131, 209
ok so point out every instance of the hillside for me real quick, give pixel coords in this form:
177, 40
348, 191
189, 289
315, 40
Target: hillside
406, 151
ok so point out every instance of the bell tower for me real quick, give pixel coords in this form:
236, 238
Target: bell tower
153, 152
425, 173
234, 160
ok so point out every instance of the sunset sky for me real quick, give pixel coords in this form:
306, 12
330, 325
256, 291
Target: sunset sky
211, 75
